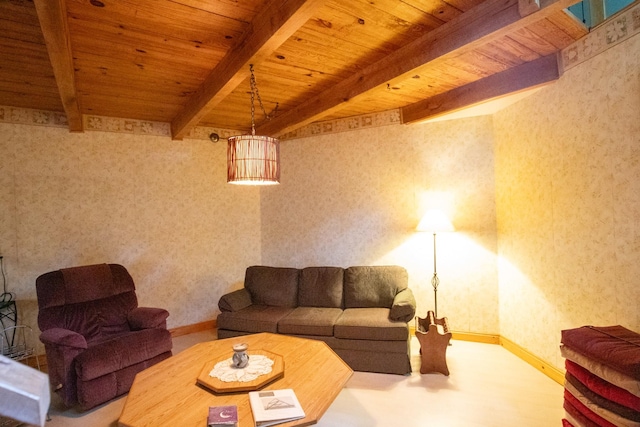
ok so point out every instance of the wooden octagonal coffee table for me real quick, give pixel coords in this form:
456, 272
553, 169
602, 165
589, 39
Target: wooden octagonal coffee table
167, 394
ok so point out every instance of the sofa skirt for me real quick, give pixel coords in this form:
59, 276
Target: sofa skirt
386, 357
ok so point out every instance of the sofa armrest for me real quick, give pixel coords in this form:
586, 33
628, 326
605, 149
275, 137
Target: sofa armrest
236, 300
63, 337
147, 318
404, 306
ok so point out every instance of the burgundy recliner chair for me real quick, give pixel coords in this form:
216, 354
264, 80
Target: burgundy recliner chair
95, 335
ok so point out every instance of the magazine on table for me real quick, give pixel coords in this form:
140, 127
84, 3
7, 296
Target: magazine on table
223, 416
271, 407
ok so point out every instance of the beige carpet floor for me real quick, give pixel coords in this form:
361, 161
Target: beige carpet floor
488, 387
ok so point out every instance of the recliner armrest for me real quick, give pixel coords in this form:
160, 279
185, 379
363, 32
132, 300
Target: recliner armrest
147, 318
236, 300
63, 337
404, 306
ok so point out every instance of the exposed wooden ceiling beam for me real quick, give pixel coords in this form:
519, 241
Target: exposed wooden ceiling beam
525, 76
52, 15
270, 29
482, 24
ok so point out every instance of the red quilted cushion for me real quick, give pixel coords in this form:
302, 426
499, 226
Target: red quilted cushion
586, 412
602, 387
614, 346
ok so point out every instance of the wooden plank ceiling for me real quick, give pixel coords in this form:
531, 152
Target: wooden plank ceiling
187, 61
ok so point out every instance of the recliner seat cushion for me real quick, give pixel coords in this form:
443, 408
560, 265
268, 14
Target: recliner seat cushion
373, 286
310, 321
121, 352
369, 324
321, 287
253, 319
274, 286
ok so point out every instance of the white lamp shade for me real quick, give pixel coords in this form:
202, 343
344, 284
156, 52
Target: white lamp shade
253, 160
435, 221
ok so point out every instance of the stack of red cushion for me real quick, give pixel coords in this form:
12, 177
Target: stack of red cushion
602, 382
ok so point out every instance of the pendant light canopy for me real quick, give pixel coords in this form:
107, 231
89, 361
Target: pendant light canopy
253, 159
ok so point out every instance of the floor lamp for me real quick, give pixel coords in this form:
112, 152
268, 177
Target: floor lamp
435, 221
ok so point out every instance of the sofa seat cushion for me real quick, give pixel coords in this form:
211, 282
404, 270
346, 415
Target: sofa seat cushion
370, 324
310, 321
253, 319
119, 353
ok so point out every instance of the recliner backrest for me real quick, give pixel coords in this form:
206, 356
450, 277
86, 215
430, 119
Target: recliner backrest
92, 300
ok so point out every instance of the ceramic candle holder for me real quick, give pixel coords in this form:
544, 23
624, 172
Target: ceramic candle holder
240, 357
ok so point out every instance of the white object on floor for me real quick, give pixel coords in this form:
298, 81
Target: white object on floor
24, 392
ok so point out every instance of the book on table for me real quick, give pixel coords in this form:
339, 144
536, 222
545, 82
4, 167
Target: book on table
223, 416
271, 407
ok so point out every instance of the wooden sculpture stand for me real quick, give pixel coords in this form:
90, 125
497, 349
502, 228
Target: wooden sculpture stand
433, 335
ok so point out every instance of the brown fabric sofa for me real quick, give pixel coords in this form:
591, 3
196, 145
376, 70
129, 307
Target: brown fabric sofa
96, 337
362, 313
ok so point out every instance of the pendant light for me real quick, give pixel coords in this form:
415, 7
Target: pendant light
253, 159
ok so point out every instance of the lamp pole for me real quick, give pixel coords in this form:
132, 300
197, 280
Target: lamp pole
433, 221
434, 280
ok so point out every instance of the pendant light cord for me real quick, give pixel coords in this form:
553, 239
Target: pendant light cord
256, 93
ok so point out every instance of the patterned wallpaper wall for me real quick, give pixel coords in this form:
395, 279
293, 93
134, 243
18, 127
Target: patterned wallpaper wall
355, 198
568, 203
544, 197
161, 208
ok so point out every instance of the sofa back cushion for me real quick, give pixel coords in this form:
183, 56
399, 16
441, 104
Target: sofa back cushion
321, 287
373, 286
274, 286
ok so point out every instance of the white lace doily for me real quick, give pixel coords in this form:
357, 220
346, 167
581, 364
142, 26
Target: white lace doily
258, 365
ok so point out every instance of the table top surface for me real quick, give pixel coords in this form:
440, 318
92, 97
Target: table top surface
167, 394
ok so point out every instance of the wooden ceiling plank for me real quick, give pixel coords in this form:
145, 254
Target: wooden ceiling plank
157, 20
499, 53
408, 12
19, 12
485, 23
570, 24
148, 58
24, 99
125, 38
463, 5
242, 10
550, 32
52, 15
336, 48
533, 41
521, 51
391, 17
12, 30
439, 9
28, 87
268, 31
526, 76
